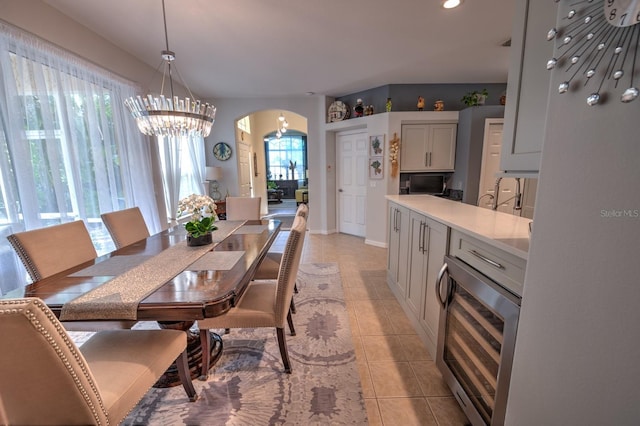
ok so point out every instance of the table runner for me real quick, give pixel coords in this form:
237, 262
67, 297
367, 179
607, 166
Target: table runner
119, 297
216, 261
251, 229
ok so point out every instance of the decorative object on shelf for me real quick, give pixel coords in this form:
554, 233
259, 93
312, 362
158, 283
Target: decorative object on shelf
590, 49
420, 104
292, 167
388, 105
475, 98
214, 174
338, 111
359, 108
368, 110
375, 168
438, 105
282, 125
503, 99
394, 154
171, 116
203, 214
222, 151
376, 145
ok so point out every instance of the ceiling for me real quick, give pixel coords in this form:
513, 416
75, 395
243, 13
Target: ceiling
258, 48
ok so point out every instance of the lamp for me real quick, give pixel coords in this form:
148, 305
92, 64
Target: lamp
214, 174
282, 124
171, 116
450, 4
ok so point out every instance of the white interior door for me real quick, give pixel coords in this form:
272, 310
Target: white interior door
244, 168
491, 149
352, 152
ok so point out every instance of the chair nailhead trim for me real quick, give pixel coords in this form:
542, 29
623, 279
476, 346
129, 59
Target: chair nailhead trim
68, 343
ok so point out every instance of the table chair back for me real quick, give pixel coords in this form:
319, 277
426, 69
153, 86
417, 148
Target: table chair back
243, 208
47, 251
126, 226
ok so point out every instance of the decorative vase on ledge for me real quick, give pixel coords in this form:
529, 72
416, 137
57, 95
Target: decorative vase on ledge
202, 240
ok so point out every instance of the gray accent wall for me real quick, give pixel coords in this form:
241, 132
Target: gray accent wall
469, 143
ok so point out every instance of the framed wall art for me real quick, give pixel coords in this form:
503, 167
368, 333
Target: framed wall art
376, 168
376, 145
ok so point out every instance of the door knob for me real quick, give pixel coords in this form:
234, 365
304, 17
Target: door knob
340, 190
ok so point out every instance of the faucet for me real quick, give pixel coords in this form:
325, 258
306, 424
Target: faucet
517, 205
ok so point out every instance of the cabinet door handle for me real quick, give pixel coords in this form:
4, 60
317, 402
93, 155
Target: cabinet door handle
425, 238
443, 271
486, 259
426, 159
430, 157
397, 219
420, 238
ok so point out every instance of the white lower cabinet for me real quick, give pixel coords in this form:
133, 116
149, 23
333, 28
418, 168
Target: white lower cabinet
397, 260
426, 242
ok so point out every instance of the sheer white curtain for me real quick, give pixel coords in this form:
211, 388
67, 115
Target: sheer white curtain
183, 169
68, 148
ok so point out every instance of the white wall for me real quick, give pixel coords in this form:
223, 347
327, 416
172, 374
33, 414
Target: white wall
577, 357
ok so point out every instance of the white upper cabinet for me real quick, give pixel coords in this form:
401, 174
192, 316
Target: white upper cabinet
528, 86
428, 147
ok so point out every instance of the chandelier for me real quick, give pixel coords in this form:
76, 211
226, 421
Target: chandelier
282, 125
171, 116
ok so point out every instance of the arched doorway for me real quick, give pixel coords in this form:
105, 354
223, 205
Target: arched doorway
274, 170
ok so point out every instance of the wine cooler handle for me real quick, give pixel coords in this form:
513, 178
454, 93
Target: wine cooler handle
443, 271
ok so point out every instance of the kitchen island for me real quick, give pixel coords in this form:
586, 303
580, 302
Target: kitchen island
423, 229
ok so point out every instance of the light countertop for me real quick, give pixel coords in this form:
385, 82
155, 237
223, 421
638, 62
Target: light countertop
504, 231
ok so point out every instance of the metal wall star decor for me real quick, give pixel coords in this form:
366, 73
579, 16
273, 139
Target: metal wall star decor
597, 46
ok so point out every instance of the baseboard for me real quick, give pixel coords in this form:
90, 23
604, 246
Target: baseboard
375, 243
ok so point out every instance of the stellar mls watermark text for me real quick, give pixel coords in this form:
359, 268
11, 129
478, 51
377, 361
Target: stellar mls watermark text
620, 213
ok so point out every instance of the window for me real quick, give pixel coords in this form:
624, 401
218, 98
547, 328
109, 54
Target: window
283, 153
68, 148
244, 124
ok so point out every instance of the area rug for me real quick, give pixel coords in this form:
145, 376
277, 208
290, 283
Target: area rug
248, 385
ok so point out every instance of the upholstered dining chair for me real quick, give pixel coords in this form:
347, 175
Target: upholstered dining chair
125, 226
270, 265
243, 208
47, 251
47, 379
263, 304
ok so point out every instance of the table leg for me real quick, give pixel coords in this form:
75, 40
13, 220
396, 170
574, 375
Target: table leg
194, 353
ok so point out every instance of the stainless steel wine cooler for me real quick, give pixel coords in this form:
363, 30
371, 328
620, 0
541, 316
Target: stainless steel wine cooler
478, 324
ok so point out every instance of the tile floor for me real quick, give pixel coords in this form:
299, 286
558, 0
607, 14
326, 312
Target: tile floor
400, 381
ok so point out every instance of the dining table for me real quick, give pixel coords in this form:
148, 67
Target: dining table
162, 279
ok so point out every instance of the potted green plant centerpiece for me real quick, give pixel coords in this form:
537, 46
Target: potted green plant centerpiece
475, 98
202, 210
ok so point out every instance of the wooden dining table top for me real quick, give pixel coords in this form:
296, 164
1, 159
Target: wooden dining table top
190, 295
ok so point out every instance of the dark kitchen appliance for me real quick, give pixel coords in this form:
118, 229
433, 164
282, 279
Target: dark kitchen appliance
478, 324
432, 184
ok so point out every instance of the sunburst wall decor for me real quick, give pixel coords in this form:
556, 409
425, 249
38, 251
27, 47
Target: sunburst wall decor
597, 46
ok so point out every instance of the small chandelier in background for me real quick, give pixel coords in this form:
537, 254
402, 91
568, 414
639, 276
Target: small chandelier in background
171, 116
282, 125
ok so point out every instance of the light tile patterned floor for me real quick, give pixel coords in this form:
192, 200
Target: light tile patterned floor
400, 381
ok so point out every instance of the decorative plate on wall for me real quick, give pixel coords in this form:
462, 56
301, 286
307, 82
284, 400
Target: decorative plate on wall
338, 111
222, 151
597, 45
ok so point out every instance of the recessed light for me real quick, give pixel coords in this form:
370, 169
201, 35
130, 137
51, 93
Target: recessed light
450, 4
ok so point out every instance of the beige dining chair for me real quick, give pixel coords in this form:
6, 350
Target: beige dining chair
270, 265
243, 208
125, 226
263, 304
47, 379
47, 251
